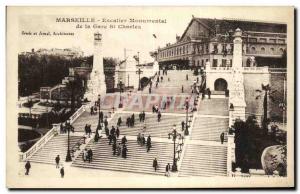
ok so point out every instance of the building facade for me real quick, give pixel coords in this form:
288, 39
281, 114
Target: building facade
211, 40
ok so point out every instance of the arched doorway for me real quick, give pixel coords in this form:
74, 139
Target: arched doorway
144, 82
220, 85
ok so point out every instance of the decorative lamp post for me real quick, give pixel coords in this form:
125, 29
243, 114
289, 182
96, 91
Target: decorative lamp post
96, 138
139, 72
68, 128
186, 132
120, 88
174, 135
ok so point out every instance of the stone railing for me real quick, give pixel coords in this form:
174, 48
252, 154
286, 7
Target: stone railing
55, 130
256, 69
40, 143
230, 153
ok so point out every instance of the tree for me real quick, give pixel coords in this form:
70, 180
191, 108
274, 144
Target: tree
267, 94
75, 91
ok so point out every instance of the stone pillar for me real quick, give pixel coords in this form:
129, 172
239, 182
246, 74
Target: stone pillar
96, 85
237, 91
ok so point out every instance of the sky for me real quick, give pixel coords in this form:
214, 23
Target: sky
116, 40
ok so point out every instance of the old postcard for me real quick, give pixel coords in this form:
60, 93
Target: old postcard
150, 97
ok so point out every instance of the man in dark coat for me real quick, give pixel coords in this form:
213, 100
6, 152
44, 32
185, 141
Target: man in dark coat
148, 143
124, 151
113, 130
143, 115
168, 167
89, 130
92, 110
57, 159
182, 125
90, 155
110, 139
155, 164
153, 109
27, 167
86, 129
128, 122
158, 116
132, 119
119, 121
208, 93
143, 140
222, 137
117, 132
140, 117
124, 140
62, 172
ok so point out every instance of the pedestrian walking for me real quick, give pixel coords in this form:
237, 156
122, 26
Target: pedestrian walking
208, 93
168, 167
149, 143
106, 131
119, 121
62, 172
27, 167
158, 116
124, 140
222, 137
182, 125
90, 155
124, 151
117, 132
187, 77
57, 159
155, 164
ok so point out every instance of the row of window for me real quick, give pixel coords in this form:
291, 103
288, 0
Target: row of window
175, 51
265, 40
263, 49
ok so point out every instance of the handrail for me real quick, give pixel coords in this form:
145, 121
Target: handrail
48, 136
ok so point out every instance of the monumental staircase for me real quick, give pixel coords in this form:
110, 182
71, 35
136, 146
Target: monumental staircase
57, 145
138, 159
204, 160
209, 128
172, 82
153, 127
213, 106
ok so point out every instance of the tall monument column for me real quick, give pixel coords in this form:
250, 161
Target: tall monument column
96, 84
237, 91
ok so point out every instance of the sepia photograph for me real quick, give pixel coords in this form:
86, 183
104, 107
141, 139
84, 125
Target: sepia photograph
150, 97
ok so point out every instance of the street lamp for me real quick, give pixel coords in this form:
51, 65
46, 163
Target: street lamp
139, 72
120, 88
186, 132
174, 135
69, 128
99, 120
